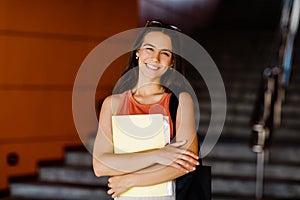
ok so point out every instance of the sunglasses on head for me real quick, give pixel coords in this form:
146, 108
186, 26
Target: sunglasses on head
156, 23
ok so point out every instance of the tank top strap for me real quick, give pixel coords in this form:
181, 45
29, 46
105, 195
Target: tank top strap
124, 104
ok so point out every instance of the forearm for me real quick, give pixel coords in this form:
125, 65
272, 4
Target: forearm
160, 173
109, 164
154, 175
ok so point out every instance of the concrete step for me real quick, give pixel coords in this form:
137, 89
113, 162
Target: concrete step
233, 85
291, 123
238, 107
279, 172
21, 198
231, 118
286, 135
71, 174
223, 150
241, 152
239, 133
236, 133
292, 98
45, 190
222, 186
232, 98
290, 109
78, 157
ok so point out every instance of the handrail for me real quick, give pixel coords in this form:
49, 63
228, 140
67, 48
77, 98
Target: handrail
271, 94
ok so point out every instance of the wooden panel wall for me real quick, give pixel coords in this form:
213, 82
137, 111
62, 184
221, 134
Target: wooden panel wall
42, 45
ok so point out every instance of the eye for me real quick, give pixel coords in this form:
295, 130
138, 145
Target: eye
166, 53
149, 49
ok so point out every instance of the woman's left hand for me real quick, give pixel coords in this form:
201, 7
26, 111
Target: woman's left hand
118, 185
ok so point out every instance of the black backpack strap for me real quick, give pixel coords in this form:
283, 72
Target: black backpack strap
173, 105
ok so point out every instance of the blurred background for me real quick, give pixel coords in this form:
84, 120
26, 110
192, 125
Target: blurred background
43, 43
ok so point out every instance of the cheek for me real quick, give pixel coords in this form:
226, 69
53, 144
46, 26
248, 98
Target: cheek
166, 61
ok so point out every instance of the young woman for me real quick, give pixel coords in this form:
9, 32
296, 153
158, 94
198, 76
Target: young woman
147, 90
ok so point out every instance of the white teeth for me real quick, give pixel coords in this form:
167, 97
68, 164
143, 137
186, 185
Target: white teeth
152, 67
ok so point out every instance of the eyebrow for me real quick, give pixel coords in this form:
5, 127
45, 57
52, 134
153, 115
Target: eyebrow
147, 44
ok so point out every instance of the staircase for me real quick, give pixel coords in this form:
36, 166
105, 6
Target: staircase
240, 56
245, 55
70, 179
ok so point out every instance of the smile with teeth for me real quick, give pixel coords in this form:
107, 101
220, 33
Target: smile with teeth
153, 67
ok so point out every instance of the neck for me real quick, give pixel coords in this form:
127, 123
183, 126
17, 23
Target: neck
148, 89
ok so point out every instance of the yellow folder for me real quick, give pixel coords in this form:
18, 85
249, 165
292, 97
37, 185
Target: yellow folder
133, 133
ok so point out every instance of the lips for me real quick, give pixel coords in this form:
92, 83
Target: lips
153, 67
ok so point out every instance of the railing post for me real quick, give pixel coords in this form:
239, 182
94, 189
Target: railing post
259, 186
261, 134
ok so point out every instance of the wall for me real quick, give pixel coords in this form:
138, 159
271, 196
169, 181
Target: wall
42, 45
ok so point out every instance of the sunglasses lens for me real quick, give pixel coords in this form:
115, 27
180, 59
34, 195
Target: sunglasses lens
154, 23
174, 27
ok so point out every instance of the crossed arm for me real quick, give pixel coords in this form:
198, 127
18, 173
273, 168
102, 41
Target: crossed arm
148, 167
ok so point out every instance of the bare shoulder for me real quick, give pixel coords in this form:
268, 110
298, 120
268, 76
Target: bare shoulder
185, 98
112, 102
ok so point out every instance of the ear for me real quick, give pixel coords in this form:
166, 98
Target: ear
137, 53
172, 63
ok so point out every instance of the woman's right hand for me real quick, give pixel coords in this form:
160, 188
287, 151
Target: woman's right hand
178, 157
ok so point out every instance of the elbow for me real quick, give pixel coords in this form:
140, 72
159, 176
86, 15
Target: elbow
99, 168
98, 172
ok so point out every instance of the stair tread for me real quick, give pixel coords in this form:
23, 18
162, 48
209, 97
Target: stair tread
53, 190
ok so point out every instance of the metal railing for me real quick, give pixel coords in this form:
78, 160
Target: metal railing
267, 110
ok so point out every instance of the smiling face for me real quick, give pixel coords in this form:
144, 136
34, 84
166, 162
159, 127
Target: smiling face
155, 55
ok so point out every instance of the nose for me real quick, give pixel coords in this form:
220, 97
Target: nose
155, 56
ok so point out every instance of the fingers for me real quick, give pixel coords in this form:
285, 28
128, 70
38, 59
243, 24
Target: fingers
188, 154
185, 154
189, 159
183, 151
183, 166
112, 193
178, 157
178, 144
178, 166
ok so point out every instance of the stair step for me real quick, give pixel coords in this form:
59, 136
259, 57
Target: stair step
287, 135
230, 86
290, 109
231, 119
222, 186
234, 107
233, 186
285, 154
21, 198
229, 151
248, 170
78, 158
58, 191
240, 152
71, 174
241, 133
231, 96
282, 190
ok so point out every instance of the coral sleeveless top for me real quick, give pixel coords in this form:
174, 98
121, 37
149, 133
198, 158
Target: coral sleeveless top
129, 106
